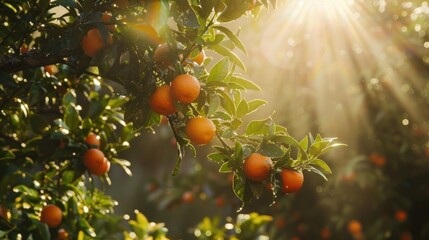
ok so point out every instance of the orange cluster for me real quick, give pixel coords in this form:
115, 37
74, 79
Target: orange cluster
94, 159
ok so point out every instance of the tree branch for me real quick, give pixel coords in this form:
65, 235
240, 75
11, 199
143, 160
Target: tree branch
16, 63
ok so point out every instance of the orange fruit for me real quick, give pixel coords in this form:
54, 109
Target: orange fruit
188, 197
161, 101
291, 180
163, 56
406, 236
377, 159
93, 140
185, 88
199, 59
220, 201
280, 222
93, 42
107, 20
24, 49
349, 177
93, 159
4, 213
103, 169
52, 215
62, 234
51, 69
325, 233
200, 130
401, 215
257, 167
354, 227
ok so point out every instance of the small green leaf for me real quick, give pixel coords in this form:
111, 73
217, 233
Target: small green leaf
245, 83
242, 109
228, 53
71, 117
238, 187
69, 97
271, 150
86, 227
304, 143
6, 155
217, 157
320, 163
257, 127
225, 168
237, 42
219, 71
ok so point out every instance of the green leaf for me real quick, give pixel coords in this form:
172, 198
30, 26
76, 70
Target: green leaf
237, 42
304, 143
217, 157
86, 227
226, 102
97, 107
228, 53
214, 103
242, 109
225, 168
6, 155
317, 171
247, 84
317, 147
258, 127
219, 71
255, 104
142, 220
271, 150
71, 117
320, 163
117, 101
238, 187
69, 97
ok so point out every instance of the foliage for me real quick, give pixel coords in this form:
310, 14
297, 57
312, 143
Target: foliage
246, 226
53, 96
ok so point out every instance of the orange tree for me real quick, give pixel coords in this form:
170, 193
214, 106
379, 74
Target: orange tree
80, 79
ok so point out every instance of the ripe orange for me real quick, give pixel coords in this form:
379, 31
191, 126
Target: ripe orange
161, 101
220, 201
51, 215
24, 49
103, 169
188, 197
200, 130
93, 159
325, 233
93, 42
377, 159
257, 167
401, 215
199, 59
163, 56
93, 140
51, 69
185, 88
291, 180
107, 20
62, 234
406, 236
354, 227
280, 222
4, 213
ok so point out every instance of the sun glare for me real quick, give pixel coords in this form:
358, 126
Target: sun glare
331, 49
